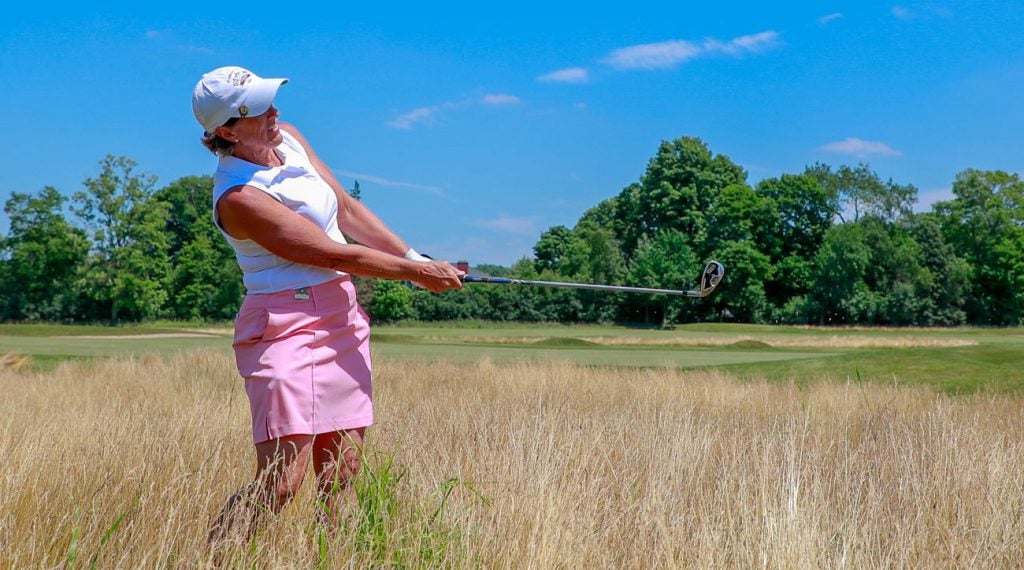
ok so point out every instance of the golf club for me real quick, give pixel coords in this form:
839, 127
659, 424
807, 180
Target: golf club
709, 279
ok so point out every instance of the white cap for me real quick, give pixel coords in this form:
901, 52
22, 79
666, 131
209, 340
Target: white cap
228, 92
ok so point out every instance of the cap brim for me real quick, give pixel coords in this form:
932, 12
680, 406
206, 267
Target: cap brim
261, 95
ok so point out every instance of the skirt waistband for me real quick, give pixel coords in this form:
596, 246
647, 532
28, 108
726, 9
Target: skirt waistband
335, 292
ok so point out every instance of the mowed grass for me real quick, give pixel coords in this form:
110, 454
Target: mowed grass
124, 463
958, 360
954, 360
996, 368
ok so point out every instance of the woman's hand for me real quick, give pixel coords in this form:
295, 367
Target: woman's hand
438, 276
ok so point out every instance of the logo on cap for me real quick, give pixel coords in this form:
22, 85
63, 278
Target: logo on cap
238, 77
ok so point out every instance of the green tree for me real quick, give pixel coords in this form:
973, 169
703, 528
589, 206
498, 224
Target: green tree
739, 215
665, 261
605, 213
594, 256
951, 274
801, 215
797, 213
741, 293
1010, 257
545, 303
895, 274
895, 204
126, 275
392, 301
189, 205
681, 185
840, 265
41, 255
206, 282
551, 247
984, 222
859, 191
450, 305
848, 189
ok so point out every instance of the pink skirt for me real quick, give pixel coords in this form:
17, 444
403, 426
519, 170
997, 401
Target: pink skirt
305, 357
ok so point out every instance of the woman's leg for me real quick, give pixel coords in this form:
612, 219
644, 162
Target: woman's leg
336, 463
280, 469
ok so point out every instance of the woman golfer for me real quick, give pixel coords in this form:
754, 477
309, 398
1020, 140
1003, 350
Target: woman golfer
301, 340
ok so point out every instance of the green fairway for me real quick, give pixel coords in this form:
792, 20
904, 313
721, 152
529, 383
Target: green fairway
997, 367
79, 343
598, 355
954, 360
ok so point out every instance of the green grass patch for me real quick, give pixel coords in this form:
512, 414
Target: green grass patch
391, 338
595, 355
956, 370
46, 352
38, 330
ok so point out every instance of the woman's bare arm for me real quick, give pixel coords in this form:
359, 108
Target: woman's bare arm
354, 218
249, 213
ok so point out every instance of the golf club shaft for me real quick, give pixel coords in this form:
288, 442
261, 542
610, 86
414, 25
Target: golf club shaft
507, 281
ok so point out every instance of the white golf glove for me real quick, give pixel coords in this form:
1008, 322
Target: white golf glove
413, 255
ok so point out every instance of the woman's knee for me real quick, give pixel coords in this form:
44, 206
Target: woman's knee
349, 463
338, 468
284, 487
281, 468
338, 458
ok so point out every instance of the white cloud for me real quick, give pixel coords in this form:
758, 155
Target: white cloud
194, 49
754, 43
165, 38
861, 148
653, 56
500, 99
901, 12
380, 181
824, 20
408, 120
669, 54
427, 115
568, 75
519, 226
921, 11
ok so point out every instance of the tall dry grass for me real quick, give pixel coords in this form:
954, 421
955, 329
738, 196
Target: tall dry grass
125, 463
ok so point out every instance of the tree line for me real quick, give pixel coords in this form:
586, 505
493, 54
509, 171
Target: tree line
829, 245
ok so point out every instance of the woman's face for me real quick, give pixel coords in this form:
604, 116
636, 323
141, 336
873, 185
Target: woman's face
256, 133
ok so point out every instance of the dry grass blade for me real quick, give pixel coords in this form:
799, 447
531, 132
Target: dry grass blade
580, 467
14, 361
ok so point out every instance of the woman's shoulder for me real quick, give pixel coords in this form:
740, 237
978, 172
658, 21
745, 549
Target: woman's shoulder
289, 128
232, 172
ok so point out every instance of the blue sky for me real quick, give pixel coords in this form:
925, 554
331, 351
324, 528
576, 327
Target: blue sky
473, 127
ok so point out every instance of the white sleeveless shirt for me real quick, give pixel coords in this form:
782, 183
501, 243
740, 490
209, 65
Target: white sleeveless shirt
298, 186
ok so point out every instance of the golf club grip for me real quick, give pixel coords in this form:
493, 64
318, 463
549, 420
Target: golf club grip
623, 289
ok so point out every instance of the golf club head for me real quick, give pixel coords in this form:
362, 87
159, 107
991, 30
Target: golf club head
711, 277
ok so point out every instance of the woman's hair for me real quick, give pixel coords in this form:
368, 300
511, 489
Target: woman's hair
217, 144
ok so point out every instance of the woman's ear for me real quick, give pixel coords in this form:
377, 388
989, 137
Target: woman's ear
226, 133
